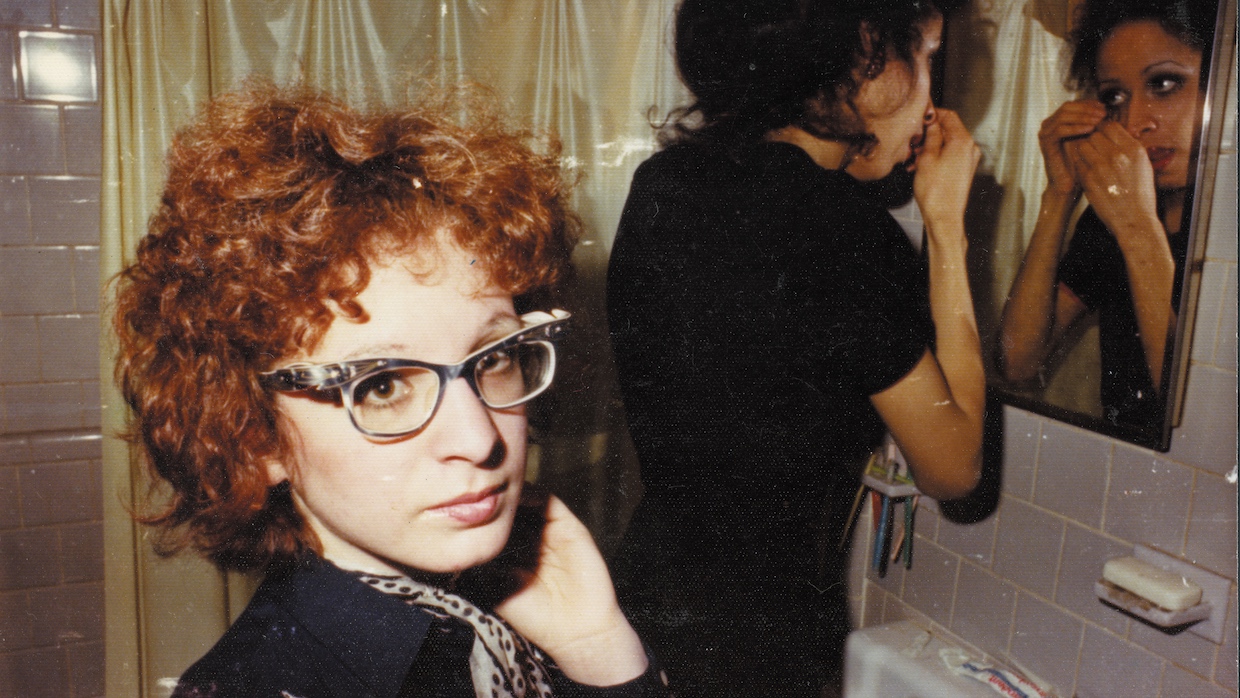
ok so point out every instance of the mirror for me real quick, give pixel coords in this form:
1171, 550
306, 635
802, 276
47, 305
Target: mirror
1004, 68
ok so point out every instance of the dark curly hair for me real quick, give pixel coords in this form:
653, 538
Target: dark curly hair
1190, 21
758, 65
277, 202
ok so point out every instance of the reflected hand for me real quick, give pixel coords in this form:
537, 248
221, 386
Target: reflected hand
1115, 173
565, 603
1070, 122
945, 168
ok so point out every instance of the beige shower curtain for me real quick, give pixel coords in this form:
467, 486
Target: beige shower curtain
589, 70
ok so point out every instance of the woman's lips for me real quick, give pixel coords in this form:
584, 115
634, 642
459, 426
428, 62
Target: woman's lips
1160, 158
472, 509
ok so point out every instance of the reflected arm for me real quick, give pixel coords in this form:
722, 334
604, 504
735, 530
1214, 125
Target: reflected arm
1038, 310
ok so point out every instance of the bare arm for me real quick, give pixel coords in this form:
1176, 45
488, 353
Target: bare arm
1038, 312
935, 412
1119, 182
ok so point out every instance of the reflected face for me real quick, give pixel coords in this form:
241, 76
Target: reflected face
896, 107
443, 498
1148, 80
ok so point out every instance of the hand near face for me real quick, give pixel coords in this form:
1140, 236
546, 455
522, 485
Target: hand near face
565, 602
945, 168
1115, 173
1071, 121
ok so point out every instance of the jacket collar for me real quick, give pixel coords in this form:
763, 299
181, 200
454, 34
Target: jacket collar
372, 634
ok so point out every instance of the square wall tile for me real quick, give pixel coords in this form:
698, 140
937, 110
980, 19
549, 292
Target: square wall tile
1228, 664
30, 139
14, 212
42, 407
1084, 554
1212, 525
64, 210
15, 631
1177, 682
68, 614
1148, 498
1112, 667
86, 287
1225, 346
983, 610
974, 542
1210, 305
1190, 651
69, 347
1047, 640
92, 406
1206, 437
81, 549
1072, 472
36, 280
58, 67
77, 14
62, 493
930, 587
1027, 547
1022, 433
84, 140
28, 558
1221, 245
19, 349
41, 673
26, 12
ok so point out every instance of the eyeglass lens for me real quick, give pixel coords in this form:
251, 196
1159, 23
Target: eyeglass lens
398, 400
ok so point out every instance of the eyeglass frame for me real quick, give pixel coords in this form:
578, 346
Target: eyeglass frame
540, 327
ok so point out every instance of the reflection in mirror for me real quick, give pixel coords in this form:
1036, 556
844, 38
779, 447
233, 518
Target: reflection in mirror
1085, 220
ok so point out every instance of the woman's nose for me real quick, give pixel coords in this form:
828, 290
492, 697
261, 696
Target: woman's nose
463, 428
1138, 118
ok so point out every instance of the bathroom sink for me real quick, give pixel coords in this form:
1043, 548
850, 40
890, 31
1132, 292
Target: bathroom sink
900, 660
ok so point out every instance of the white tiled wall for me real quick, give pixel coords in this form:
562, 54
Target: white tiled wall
51, 549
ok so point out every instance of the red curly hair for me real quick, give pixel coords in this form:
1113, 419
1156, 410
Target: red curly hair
277, 201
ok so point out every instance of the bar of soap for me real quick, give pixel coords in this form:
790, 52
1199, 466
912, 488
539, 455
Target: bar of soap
1165, 589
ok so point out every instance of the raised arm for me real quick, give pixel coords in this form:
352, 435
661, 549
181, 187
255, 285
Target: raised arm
1038, 310
1118, 180
935, 412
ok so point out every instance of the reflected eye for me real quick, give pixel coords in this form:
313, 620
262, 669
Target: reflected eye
497, 362
1165, 84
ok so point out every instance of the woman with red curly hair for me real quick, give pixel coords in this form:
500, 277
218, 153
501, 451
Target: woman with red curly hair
327, 339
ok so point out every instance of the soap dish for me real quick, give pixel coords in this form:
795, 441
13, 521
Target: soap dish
1143, 608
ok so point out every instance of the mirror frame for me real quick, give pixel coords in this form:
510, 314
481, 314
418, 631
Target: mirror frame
1206, 145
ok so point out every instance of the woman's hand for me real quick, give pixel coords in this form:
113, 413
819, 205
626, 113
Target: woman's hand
945, 169
565, 603
1115, 172
1070, 122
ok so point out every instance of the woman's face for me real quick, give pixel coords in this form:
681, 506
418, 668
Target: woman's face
1148, 79
441, 499
896, 107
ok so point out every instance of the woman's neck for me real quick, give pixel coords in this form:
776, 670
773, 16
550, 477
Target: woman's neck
829, 155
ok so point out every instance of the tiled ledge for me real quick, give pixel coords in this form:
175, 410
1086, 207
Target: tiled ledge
51, 446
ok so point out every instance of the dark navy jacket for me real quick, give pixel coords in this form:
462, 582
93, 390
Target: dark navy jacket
316, 631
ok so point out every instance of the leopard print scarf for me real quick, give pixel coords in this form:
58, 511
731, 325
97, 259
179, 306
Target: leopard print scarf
503, 664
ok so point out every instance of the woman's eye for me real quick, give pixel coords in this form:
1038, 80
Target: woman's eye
497, 361
1165, 84
382, 388
1112, 98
